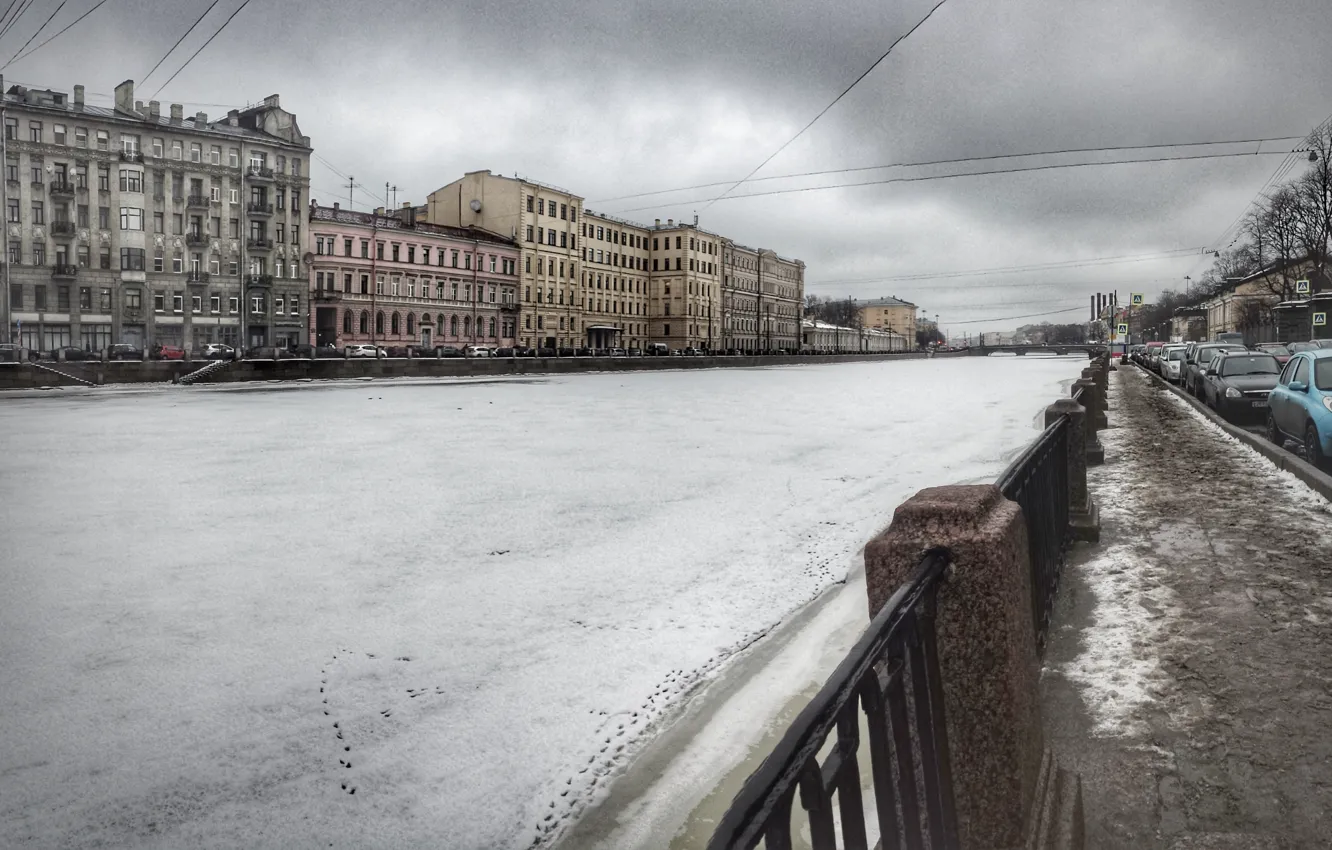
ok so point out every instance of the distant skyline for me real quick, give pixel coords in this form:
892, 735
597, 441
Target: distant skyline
611, 99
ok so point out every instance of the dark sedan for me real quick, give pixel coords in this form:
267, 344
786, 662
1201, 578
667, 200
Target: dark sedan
1236, 384
72, 352
124, 351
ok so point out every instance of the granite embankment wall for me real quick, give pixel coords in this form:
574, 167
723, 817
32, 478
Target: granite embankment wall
33, 376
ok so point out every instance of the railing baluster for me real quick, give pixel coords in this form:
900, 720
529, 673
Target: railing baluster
849, 800
815, 798
876, 717
904, 758
943, 814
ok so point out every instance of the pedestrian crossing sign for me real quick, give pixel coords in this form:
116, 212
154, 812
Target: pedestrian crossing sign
1302, 287
1121, 329
1320, 318
1136, 299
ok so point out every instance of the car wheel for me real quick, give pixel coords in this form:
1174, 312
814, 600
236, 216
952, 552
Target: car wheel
1313, 449
1274, 434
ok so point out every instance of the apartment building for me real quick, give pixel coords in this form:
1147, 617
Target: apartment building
762, 299
684, 286
890, 314
125, 225
393, 280
615, 282
543, 221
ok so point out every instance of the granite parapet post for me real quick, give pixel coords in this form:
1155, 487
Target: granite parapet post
1084, 520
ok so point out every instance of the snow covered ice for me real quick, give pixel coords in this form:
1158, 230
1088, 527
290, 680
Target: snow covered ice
469, 602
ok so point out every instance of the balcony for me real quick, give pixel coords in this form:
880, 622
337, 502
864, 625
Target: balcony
62, 228
64, 271
253, 208
258, 172
258, 280
196, 238
131, 156
259, 243
196, 278
198, 202
327, 296
62, 189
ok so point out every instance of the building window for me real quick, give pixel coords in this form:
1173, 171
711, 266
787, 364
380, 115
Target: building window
131, 218
39, 253
196, 152
131, 259
196, 304
34, 131
131, 181
38, 212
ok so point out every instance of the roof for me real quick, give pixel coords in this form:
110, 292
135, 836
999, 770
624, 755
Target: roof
885, 302
385, 222
13, 99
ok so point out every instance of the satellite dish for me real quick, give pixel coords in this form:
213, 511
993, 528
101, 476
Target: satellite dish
475, 205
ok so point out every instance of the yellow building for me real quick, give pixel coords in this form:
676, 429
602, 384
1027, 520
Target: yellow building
890, 314
544, 221
614, 287
685, 286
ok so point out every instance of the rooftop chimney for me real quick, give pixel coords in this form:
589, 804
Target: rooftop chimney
200, 119
78, 97
336, 206
658, 222
177, 111
670, 222
138, 106
233, 117
125, 97
154, 109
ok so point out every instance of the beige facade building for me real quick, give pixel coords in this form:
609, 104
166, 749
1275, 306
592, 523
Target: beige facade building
128, 226
544, 222
616, 282
685, 286
763, 295
890, 314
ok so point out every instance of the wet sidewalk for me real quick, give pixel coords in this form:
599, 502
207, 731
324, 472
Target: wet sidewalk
1189, 679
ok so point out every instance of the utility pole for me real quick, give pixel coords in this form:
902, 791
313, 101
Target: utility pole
351, 186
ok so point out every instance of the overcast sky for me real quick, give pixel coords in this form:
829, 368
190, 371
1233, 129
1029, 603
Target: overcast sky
616, 98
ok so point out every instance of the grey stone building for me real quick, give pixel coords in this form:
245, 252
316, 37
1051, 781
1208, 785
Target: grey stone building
763, 295
126, 225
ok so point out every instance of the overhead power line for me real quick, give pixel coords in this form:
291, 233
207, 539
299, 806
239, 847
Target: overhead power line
903, 37
197, 21
32, 37
923, 178
1173, 254
215, 34
950, 162
24, 5
66, 29
951, 323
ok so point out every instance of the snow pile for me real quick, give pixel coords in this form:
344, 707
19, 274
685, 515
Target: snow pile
468, 602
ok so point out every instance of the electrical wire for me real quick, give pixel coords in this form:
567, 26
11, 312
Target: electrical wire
33, 37
23, 7
1173, 254
8, 9
1048, 167
951, 322
66, 29
215, 34
950, 162
825, 109
197, 21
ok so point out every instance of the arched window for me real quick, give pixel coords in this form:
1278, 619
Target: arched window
467, 325
397, 328
411, 324
453, 326
492, 327
347, 322
365, 322
379, 323
439, 324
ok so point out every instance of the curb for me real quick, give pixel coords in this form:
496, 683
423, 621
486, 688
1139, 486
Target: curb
1319, 481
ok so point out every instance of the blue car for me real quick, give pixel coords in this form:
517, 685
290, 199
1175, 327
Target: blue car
1300, 406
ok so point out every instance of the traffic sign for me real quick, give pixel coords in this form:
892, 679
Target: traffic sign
1302, 287
1121, 329
1320, 318
1136, 299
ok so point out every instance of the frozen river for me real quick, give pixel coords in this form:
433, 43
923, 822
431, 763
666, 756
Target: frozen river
227, 609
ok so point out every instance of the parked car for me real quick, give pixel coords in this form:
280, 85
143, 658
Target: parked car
618, 352
1163, 356
1297, 347
70, 353
545, 352
476, 351
1276, 349
658, 349
10, 352
1198, 360
449, 351
124, 351
635, 352
1230, 337
504, 352
303, 351
217, 351
1172, 365
1323, 343
166, 352
362, 350
1236, 384
1300, 406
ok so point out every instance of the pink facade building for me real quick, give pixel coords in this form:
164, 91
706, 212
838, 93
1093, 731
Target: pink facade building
391, 280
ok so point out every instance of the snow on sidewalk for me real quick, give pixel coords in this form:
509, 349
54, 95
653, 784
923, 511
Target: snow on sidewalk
1195, 636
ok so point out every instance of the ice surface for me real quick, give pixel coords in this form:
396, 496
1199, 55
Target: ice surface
469, 602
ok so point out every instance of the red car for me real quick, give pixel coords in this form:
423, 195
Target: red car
167, 352
1276, 349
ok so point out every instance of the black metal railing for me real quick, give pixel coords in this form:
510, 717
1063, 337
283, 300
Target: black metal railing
1038, 481
892, 676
